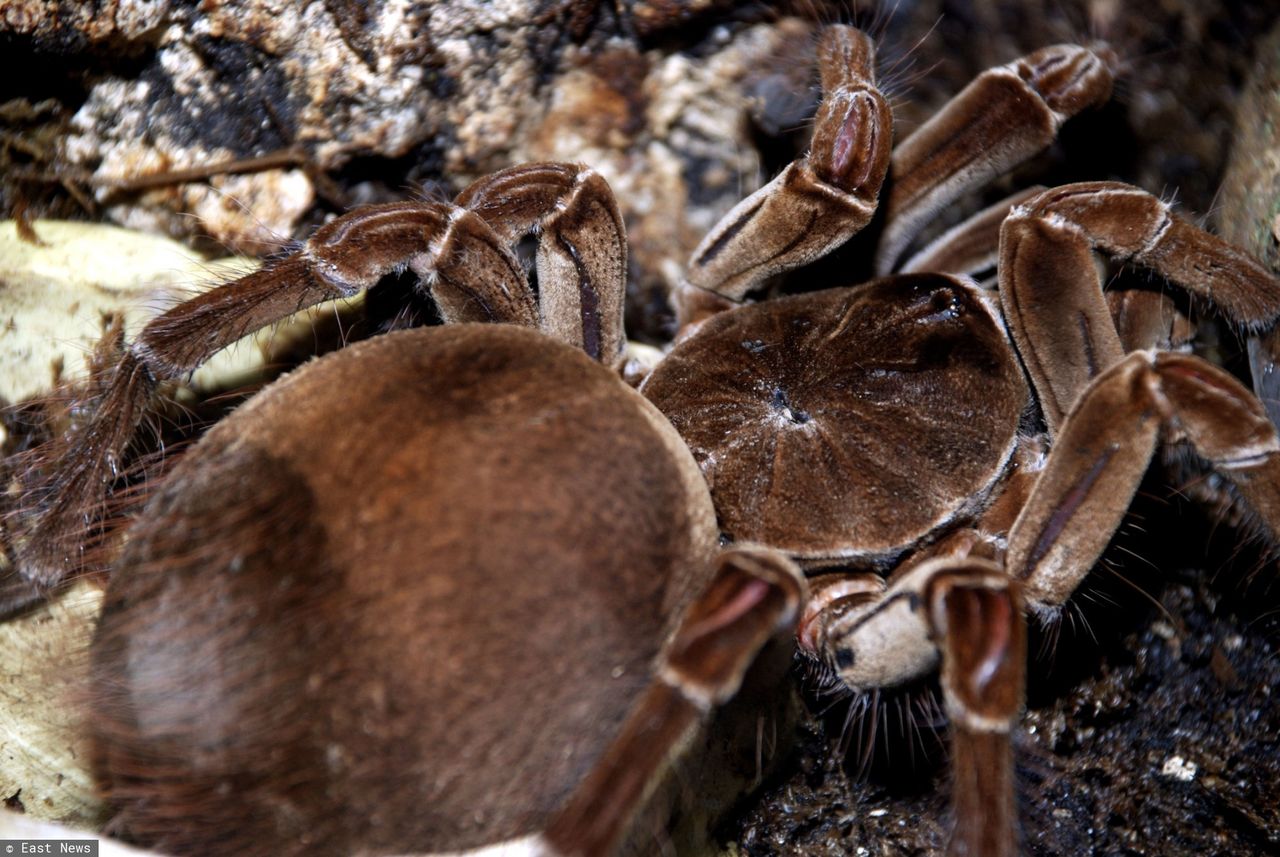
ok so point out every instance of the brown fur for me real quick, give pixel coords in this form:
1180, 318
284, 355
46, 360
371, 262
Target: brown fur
849, 424
400, 601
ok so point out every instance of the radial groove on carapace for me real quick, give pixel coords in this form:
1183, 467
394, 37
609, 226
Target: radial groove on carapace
850, 423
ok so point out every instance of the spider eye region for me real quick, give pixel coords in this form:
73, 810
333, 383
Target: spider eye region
937, 305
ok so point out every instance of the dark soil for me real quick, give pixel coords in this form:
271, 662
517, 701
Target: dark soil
1151, 730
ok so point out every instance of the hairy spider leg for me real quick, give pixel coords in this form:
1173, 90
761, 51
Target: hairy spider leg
464, 263
814, 205
1052, 297
1005, 116
755, 598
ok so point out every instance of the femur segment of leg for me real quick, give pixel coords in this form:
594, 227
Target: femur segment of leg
1052, 297
582, 254
755, 597
1004, 117
1105, 448
463, 258
819, 201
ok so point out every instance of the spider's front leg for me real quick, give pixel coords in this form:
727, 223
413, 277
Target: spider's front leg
957, 609
817, 203
1004, 117
461, 256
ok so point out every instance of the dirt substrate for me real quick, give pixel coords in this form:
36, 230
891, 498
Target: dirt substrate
1152, 731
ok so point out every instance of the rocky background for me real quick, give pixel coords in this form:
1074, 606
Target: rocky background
238, 125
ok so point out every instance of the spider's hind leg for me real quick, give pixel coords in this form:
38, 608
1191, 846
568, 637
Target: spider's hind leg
467, 267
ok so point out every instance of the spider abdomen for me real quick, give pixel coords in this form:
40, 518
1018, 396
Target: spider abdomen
342, 602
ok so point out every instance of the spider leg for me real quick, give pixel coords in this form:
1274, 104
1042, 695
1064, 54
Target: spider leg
1052, 297
582, 254
465, 264
1145, 318
1005, 116
814, 205
977, 617
1105, 446
963, 611
754, 598
971, 245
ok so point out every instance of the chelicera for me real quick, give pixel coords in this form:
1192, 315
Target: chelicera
886, 433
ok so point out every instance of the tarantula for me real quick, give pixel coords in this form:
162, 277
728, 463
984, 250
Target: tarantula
889, 427
286, 569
